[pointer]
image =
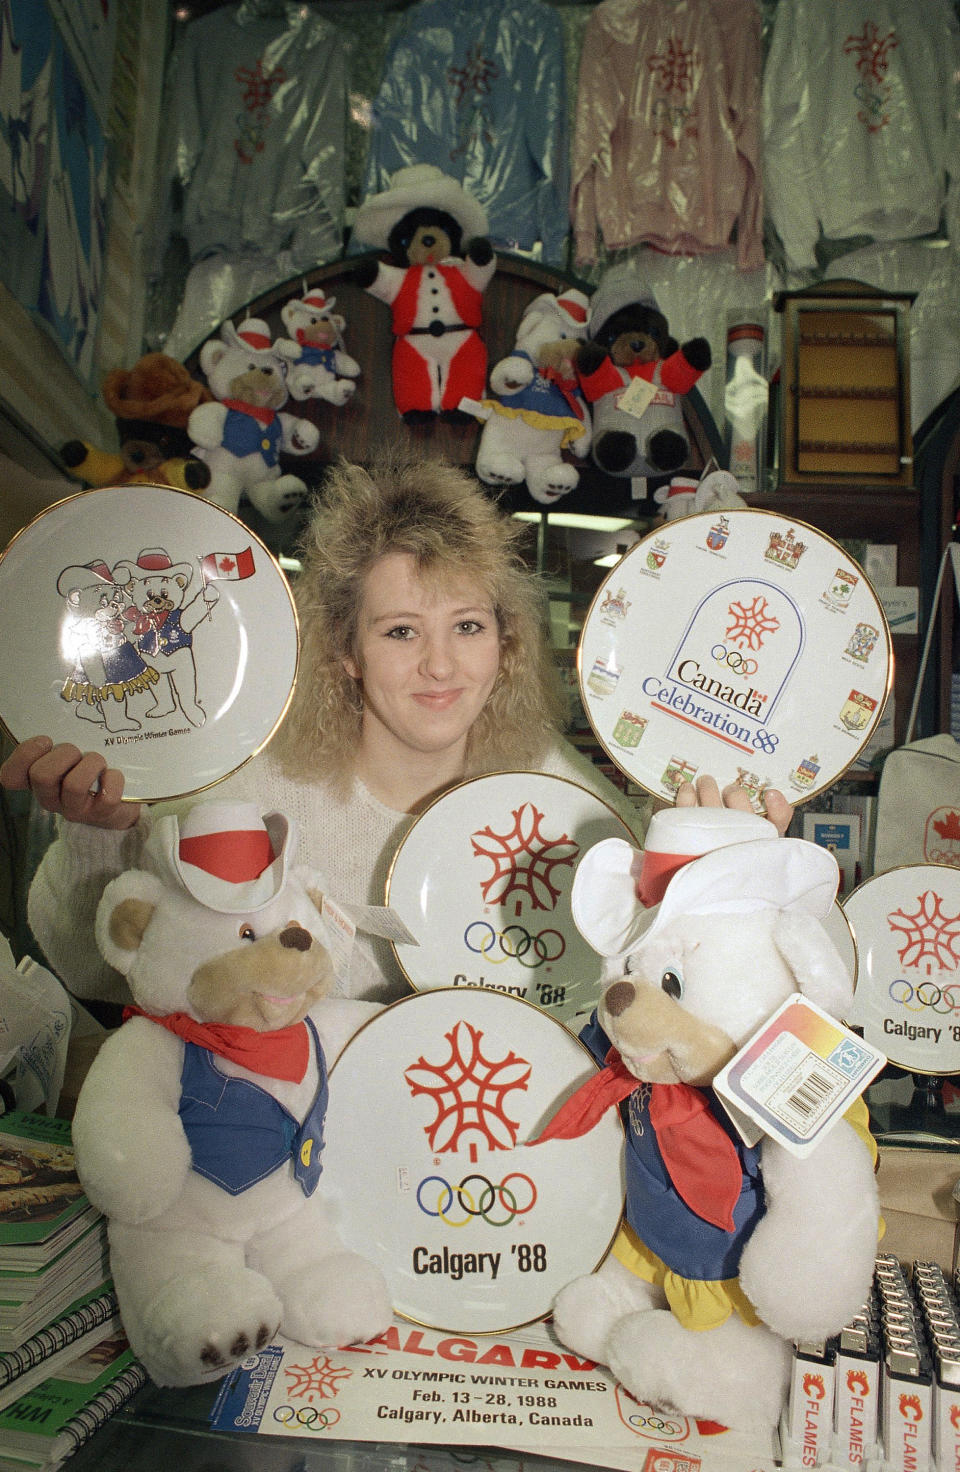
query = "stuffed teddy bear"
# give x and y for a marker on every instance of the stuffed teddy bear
(319, 368)
(633, 373)
(536, 409)
(684, 495)
(242, 434)
(728, 1252)
(433, 287)
(151, 403)
(199, 1128)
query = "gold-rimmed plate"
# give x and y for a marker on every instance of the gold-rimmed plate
(744, 644)
(482, 880)
(149, 625)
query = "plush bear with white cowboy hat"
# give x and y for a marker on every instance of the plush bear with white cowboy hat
(319, 367)
(536, 410)
(728, 1251)
(199, 1128)
(439, 267)
(242, 434)
(687, 495)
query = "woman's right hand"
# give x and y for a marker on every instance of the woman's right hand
(78, 786)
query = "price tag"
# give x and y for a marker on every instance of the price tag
(798, 1074)
(637, 397)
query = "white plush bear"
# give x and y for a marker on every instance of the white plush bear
(728, 1252)
(319, 367)
(240, 436)
(685, 495)
(536, 410)
(199, 1128)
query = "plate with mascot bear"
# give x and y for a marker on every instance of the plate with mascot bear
(149, 625)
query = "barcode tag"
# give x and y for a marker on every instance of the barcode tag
(798, 1074)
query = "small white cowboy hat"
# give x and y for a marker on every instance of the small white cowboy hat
(253, 334)
(316, 301)
(227, 855)
(696, 861)
(415, 187)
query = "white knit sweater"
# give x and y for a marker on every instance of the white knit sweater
(351, 842)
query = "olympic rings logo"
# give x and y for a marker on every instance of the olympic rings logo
(514, 943)
(942, 1000)
(734, 660)
(656, 1424)
(307, 1416)
(491, 1201)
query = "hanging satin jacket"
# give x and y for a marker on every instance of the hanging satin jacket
(860, 102)
(666, 145)
(255, 128)
(479, 90)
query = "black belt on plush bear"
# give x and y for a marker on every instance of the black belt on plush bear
(437, 329)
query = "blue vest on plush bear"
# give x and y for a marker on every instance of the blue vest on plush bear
(239, 1133)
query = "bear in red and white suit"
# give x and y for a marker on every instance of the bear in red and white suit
(435, 292)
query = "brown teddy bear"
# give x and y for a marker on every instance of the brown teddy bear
(151, 403)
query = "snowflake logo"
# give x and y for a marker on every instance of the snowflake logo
(469, 1092)
(674, 67)
(750, 623)
(930, 937)
(871, 50)
(523, 861)
(259, 86)
(319, 1380)
(475, 76)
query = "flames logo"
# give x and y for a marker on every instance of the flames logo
(955, 1416)
(910, 1408)
(857, 1382)
(813, 1387)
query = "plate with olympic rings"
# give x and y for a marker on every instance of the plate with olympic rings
(470, 1221)
(482, 881)
(742, 644)
(906, 926)
(151, 626)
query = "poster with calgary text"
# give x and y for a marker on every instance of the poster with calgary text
(740, 644)
(524, 1391)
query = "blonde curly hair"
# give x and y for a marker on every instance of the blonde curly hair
(439, 516)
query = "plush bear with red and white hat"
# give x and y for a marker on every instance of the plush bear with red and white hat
(440, 264)
(199, 1130)
(535, 409)
(729, 1251)
(242, 434)
(319, 367)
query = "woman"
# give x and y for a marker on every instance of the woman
(423, 662)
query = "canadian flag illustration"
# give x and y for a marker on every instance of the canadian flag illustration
(227, 566)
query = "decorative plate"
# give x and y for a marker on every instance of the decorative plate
(741, 644)
(151, 626)
(906, 925)
(482, 881)
(471, 1225)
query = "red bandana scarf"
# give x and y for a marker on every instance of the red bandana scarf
(700, 1157)
(283, 1053)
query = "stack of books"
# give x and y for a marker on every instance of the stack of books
(65, 1364)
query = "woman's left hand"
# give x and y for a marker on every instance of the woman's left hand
(705, 793)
